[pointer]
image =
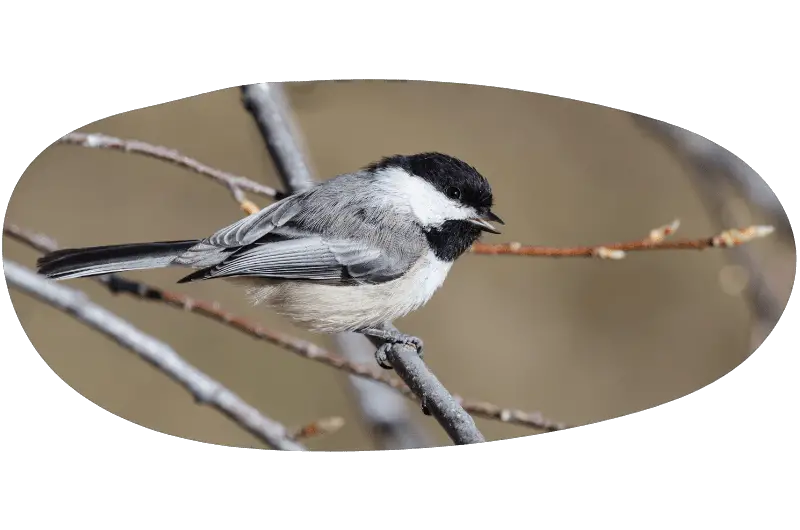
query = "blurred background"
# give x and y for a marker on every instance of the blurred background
(580, 340)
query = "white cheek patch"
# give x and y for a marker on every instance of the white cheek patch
(428, 204)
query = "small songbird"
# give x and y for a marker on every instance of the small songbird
(352, 253)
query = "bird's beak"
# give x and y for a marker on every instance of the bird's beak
(483, 223)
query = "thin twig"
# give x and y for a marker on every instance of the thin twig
(236, 184)
(385, 414)
(728, 238)
(321, 427)
(710, 167)
(204, 389)
(119, 284)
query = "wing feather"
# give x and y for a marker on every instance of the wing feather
(335, 235)
(315, 259)
(253, 227)
(229, 240)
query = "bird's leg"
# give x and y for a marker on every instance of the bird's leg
(390, 336)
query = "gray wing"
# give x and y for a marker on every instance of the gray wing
(227, 241)
(253, 227)
(328, 234)
(315, 259)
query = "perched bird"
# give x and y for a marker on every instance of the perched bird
(352, 253)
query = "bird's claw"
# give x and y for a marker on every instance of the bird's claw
(381, 355)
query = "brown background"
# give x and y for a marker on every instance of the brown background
(579, 340)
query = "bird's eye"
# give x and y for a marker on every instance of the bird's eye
(453, 192)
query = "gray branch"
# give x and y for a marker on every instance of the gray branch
(237, 184)
(384, 411)
(434, 396)
(204, 389)
(268, 105)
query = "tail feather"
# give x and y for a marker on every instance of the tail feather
(93, 261)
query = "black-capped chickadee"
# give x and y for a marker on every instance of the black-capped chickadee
(353, 253)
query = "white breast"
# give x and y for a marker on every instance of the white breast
(333, 308)
(425, 278)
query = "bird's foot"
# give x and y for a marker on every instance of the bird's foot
(391, 338)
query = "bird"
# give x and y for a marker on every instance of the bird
(352, 253)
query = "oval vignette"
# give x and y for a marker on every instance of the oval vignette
(577, 340)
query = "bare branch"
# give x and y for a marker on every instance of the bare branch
(434, 396)
(268, 105)
(729, 238)
(385, 414)
(710, 168)
(212, 310)
(204, 389)
(236, 184)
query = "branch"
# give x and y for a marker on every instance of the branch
(710, 168)
(434, 396)
(727, 239)
(268, 105)
(307, 350)
(385, 414)
(236, 184)
(204, 389)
